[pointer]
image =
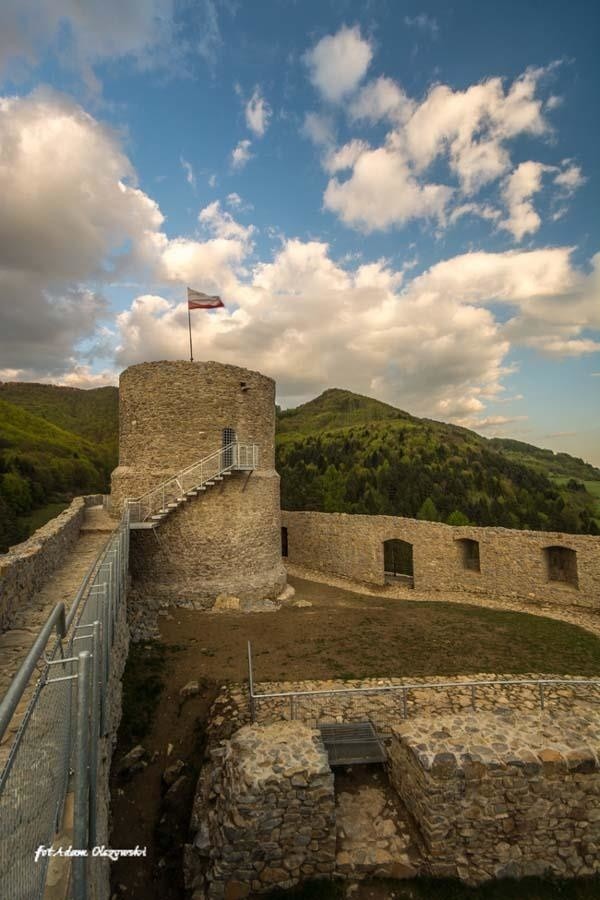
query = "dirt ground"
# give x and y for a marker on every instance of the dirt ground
(343, 635)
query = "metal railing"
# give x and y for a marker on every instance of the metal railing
(61, 725)
(231, 457)
(387, 705)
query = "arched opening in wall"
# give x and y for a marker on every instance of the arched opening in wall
(561, 565)
(284, 542)
(398, 562)
(468, 554)
(227, 440)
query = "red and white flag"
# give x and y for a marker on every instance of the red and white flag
(198, 300)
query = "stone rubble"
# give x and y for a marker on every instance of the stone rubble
(372, 837)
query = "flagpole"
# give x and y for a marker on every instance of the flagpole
(190, 329)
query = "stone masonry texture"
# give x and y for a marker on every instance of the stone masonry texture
(27, 566)
(502, 794)
(513, 563)
(268, 811)
(227, 540)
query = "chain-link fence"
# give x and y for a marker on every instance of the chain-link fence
(60, 728)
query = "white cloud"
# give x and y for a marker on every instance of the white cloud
(258, 113)
(241, 154)
(222, 224)
(87, 33)
(212, 181)
(570, 178)
(345, 157)
(469, 129)
(319, 129)
(190, 176)
(71, 212)
(382, 191)
(519, 188)
(339, 62)
(381, 99)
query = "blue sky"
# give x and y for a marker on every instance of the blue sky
(396, 198)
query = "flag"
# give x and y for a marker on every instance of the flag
(198, 300)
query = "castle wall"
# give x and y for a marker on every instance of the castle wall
(227, 540)
(513, 564)
(28, 565)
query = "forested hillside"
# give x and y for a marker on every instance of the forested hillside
(338, 453)
(55, 443)
(345, 453)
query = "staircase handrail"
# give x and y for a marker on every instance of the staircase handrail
(229, 452)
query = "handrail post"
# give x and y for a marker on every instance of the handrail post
(98, 700)
(251, 683)
(82, 781)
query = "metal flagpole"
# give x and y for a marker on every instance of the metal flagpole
(190, 328)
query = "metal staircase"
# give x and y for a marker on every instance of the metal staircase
(150, 509)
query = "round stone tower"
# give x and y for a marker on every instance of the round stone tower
(228, 538)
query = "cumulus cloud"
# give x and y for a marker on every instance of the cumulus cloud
(241, 154)
(381, 190)
(71, 212)
(379, 100)
(432, 345)
(258, 113)
(468, 129)
(87, 33)
(338, 63)
(222, 224)
(520, 186)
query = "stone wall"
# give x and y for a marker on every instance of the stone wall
(27, 566)
(513, 564)
(504, 794)
(227, 540)
(264, 814)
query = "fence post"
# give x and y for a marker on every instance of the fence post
(82, 780)
(251, 684)
(105, 649)
(98, 701)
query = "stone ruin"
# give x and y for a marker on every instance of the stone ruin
(265, 812)
(471, 795)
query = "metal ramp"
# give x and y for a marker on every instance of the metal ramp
(351, 743)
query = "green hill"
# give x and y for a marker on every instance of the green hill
(92, 414)
(345, 453)
(55, 443)
(340, 452)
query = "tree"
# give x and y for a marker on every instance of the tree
(428, 511)
(457, 518)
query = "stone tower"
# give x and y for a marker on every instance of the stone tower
(228, 539)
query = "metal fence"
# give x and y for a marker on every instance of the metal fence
(387, 705)
(55, 749)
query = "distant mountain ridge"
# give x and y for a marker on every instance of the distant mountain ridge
(343, 452)
(340, 451)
